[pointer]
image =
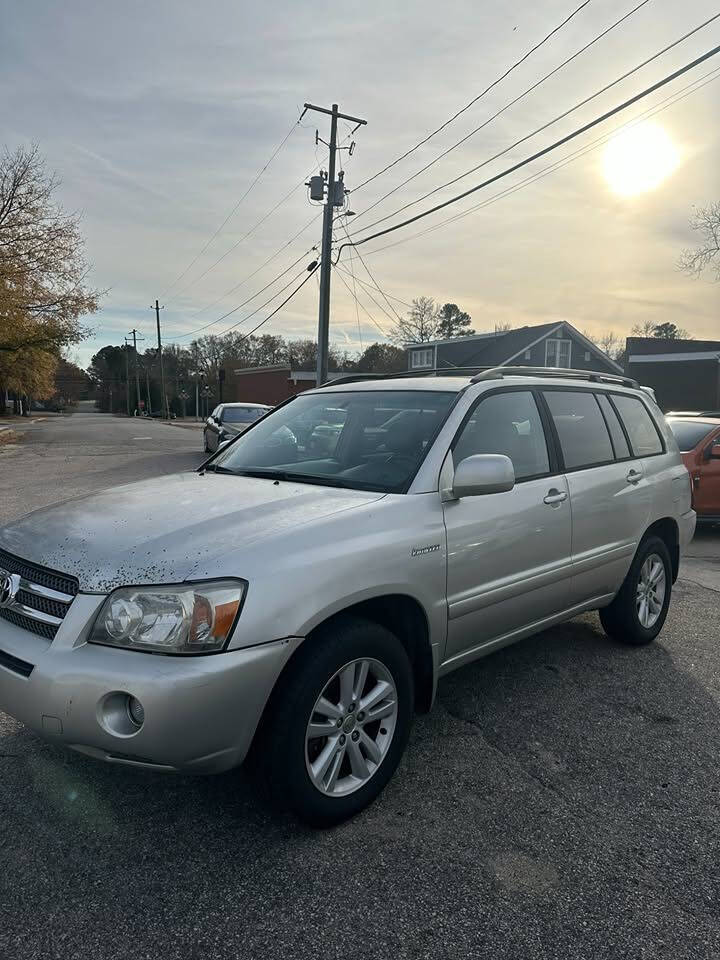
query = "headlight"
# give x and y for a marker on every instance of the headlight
(185, 619)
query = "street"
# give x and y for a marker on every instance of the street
(560, 801)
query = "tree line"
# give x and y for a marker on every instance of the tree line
(44, 291)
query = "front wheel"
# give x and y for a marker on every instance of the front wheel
(637, 614)
(339, 721)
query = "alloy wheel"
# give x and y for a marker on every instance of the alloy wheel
(351, 727)
(650, 592)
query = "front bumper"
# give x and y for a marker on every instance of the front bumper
(201, 713)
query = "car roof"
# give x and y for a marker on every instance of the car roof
(263, 406)
(692, 418)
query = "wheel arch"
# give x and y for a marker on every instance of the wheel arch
(669, 532)
(400, 613)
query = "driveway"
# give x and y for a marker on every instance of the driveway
(561, 801)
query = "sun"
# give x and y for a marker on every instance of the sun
(639, 159)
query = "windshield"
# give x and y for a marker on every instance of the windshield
(243, 414)
(373, 440)
(689, 433)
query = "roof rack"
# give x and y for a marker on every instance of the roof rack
(426, 372)
(693, 413)
(594, 376)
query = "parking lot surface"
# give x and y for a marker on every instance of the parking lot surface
(560, 801)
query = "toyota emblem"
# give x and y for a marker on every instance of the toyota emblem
(9, 586)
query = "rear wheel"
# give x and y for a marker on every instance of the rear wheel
(339, 722)
(637, 614)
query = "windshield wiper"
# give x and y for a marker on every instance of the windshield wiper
(217, 468)
(293, 477)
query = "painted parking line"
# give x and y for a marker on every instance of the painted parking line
(142, 438)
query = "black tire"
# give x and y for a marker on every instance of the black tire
(282, 748)
(621, 619)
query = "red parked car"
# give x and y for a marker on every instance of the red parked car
(698, 436)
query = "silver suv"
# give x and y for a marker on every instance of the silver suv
(303, 591)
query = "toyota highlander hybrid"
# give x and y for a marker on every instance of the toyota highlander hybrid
(299, 596)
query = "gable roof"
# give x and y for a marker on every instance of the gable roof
(490, 349)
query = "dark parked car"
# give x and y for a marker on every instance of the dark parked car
(228, 420)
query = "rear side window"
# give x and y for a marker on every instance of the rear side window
(584, 438)
(616, 431)
(507, 423)
(643, 434)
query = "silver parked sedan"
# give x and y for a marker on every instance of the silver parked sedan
(228, 420)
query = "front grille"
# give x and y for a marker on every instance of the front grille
(43, 598)
(54, 607)
(40, 575)
(34, 626)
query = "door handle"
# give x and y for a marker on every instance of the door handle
(555, 496)
(634, 477)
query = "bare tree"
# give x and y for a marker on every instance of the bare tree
(611, 344)
(706, 221)
(420, 325)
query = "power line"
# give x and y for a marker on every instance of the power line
(276, 310)
(551, 168)
(357, 311)
(507, 106)
(544, 126)
(259, 174)
(249, 299)
(362, 305)
(376, 284)
(380, 307)
(475, 99)
(252, 230)
(257, 309)
(257, 270)
(541, 153)
(375, 287)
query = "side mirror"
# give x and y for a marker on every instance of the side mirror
(483, 473)
(222, 445)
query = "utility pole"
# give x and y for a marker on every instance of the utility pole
(163, 395)
(127, 377)
(335, 192)
(137, 374)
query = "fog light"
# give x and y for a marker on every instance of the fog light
(136, 711)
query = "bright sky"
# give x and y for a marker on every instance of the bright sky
(157, 116)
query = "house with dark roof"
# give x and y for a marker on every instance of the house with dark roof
(685, 374)
(546, 345)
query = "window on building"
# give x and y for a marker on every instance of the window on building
(558, 353)
(421, 358)
(587, 356)
(644, 438)
(584, 438)
(528, 355)
(507, 423)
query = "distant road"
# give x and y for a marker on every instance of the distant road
(65, 457)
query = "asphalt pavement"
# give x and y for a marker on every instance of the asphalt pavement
(560, 801)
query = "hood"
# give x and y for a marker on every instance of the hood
(157, 531)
